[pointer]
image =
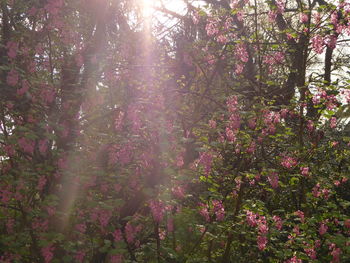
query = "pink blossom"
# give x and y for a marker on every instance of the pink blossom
(157, 209)
(310, 251)
(240, 15)
(335, 252)
(212, 124)
(232, 104)
(204, 211)
(241, 52)
(294, 260)
(305, 171)
(234, 122)
(323, 229)
(317, 44)
(47, 253)
(212, 27)
(239, 68)
(301, 215)
(278, 222)
(222, 39)
(117, 234)
(231, 137)
(219, 210)
(334, 18)
(304, 18)
(104, 217)
(280, 6)
(333, 122)
(251, 218)
(288, 162)
(130, 232)
(206, 159)
(262, 242)
(330, 41)
(234, 4)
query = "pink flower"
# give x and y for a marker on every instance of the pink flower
(212, 124)
(219, 210)
(278, 222)
(335, 253)
(333, 122)
(310, 251)
(330, 41)
(222, 39)
(317, 44)
(288, 162)
(212, 27)
(251, 218)
(204, 211)
(304, 18)
(231, 137)
(47, 253)
(305, 171)
(157, 209)
(262, 242)
(323, 229)
(241, 52)
(130, 232)
(294, 260)
(117, 234)
(206, 159)
(104, 217)
(280, 6)
(301, 215)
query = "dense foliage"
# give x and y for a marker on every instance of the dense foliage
(215, 134)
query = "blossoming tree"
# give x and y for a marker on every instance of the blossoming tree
(221, 138)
